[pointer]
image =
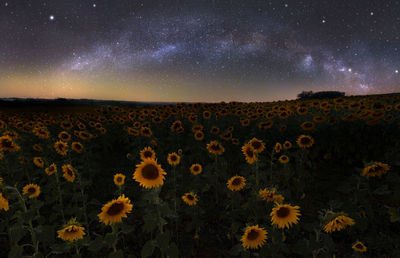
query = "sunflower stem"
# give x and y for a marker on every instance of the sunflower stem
(216, 178)
(60, 197)
(84, 202)
(115, 233)
(257, 178)
(32, 231)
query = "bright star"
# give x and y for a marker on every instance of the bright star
(372, 13)
(349, 69)
(323, 21)
(94, 5)
(51, 17)
(396, 71)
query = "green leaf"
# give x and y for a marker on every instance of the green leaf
(173, 251)
(96, 244)
(16, 233)
(118, 254)
(235, 250)
(45, 233)
(147, 249)
(38, 255)
(163, 240)
(110, 238)
(60, 248)
(382, 190)
(16, 252)
(127, 229)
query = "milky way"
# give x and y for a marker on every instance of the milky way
(276, 48)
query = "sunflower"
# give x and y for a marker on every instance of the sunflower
(64, 136)
(249, 153)
(214, 130)
(199, 135)
(214, 147)
(278, 198)
(176, 126)
(145, 131)
(51, 169)
(284, 159)
(375, 169)
(206, 114)
(119, 179)
(38, 148)
(68, 172)
(147, 153)
(305, 141)
(38, 161)
(41, 132)
(257, 144)
(190, 198)
(77, 147)
(287, 145)
(72, 231)
(61, 147)
(359, 247)
(266, 194)
(236, 183)
(307, 126)
(278, 147)
(7, 144)
(31, 189)
(284, 215)
(196, 169)
(338, 223)
(254, 237)
(115, 210)
(235, 141)
(3, 203)
(173, 159)
(149, 174)
(85, 135)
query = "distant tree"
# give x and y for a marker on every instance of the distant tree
(305, 95)
(320, 95)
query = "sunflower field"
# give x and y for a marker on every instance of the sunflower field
(313, 178)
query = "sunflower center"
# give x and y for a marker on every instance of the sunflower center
(7, 143)
(71, 229)
(173, 158)
(31, 190)
(115, 209)
(69, 172)
(305, 140)
(150, 172)
(215, 147)
(119, 179)
(249, 153)
(148, 154)
(256, 145)
(190, 197)
(196, 168)
(236, 181)
(359, 246)
(252, 235)
(283, 212)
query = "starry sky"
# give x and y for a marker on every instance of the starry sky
(197, 50)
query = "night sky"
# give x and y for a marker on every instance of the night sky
(197, 50)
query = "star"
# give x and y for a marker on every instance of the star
(349, 69)
(371, 13)
(51, 17)
(5, 4)
(323, 21)
(94, 5)
(396, 71)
